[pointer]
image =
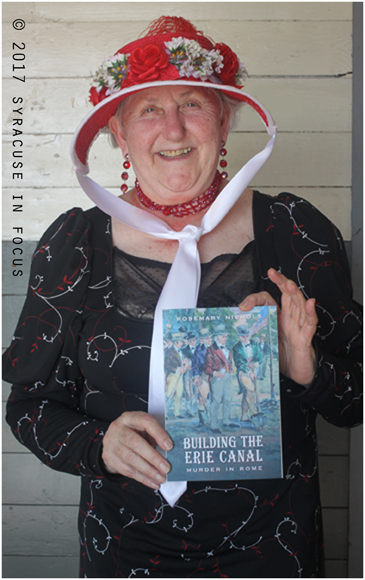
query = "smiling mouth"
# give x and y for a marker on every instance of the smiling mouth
(175, 154)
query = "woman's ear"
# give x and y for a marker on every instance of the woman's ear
(116, 128)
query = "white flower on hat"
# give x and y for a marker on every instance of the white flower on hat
(241, 74)
(186, 69)
(191, 59)
(112, 73)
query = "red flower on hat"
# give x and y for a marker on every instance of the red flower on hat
(230, 64)
(150, 63)
(96, 96)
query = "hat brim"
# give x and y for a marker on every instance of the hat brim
(97, 119)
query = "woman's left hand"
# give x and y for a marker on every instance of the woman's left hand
(297, 323)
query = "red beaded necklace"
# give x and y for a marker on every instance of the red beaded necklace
(182, 209)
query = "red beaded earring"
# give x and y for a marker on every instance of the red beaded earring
(223, 162)
(124, 176)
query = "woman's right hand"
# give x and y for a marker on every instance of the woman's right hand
(128, 448)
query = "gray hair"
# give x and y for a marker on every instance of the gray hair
(234, 105)
(231, 103)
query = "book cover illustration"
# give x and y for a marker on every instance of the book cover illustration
(222, 393)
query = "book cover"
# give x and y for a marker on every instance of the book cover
(222, 393)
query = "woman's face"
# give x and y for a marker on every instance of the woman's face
(173, 136)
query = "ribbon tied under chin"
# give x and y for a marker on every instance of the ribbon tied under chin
(182, 285)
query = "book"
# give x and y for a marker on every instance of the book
(222, 393)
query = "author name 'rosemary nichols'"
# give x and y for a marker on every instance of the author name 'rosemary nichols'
(215, 318)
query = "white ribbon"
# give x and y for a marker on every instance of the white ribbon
(182, 285)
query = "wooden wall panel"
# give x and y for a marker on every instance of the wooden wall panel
(40, 566)
(56, 489)
(332, 440)
(49, 203)
(297, 104)
(335, 524)
(334, 472)
(218, 11)
(305, 48)
(293, 163)
(40, 530)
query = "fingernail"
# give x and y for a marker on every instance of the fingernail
(160, 478)
(165, 467)
(168, 444)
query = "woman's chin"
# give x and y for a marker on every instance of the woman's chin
(176, 191)
(183, 187)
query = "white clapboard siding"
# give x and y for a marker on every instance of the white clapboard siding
(294, 161)
(47, 204)
(332, 440)
(305, 48)
(336, 544)
(311, 105)
(40, 566)
(299, 57)
(56, 489)
(334, 478)
(218, 11)
(55, 535)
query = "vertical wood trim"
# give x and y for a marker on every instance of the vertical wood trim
(355, 561)
(357, 151)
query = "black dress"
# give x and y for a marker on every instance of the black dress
(80, 357)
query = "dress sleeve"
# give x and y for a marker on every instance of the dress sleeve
(305, 246)
(42, 359)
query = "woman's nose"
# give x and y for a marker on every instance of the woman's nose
(174, 128)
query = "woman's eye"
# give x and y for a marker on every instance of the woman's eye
(149, 110)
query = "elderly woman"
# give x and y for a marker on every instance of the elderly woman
(86, 357)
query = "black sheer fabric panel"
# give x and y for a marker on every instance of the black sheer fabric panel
(227, 279)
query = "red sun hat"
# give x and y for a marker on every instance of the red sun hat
(171, 52)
